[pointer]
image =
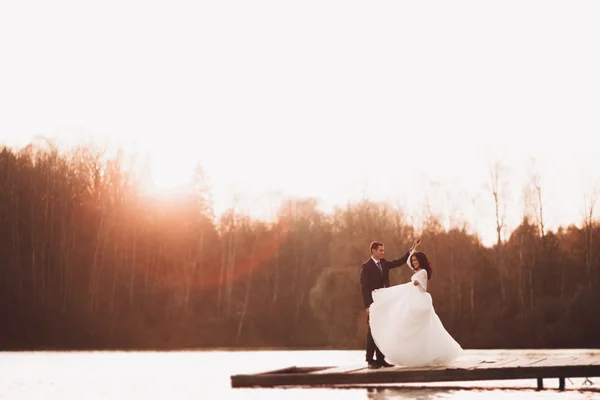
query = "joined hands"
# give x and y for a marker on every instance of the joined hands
(415, 245)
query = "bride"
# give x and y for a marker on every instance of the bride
(404, 324)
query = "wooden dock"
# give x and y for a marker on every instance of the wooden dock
(472, 366)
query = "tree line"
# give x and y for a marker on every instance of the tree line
(88, 261)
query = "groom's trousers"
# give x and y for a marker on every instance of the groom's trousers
(372, 348)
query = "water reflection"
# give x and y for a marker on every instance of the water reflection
(401, 394)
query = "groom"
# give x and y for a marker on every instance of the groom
(375, 274)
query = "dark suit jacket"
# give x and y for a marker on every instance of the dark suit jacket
(371, 278)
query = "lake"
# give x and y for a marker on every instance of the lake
(197, 375)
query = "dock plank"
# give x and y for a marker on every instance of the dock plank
(538, 365)
(342, 369)
(561, 361)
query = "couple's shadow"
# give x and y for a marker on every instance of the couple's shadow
(402, 393)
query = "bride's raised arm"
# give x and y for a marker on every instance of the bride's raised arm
(409, 260)
(412, 251)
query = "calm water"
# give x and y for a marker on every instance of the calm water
(205, 375)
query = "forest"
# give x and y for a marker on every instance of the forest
(90, 261)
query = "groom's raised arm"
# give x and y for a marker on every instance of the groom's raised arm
(401, 261)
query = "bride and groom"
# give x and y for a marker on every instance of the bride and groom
(403, 326)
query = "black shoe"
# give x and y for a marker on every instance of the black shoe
(373, 365)
(384, 364)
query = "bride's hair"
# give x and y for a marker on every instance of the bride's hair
(424, 263)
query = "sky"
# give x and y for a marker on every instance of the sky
(400, 101)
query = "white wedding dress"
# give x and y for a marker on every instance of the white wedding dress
(406, 328)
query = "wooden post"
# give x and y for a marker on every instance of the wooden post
(540, 383)
(561, 384)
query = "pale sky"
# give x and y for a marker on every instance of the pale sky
(332, 99)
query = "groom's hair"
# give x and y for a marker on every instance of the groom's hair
(375, 246)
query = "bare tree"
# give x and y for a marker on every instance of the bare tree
(497, 187)
(244, 312)
(537, 188)
(534, 199)
(589, 204)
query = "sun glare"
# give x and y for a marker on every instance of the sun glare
(168, 173)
